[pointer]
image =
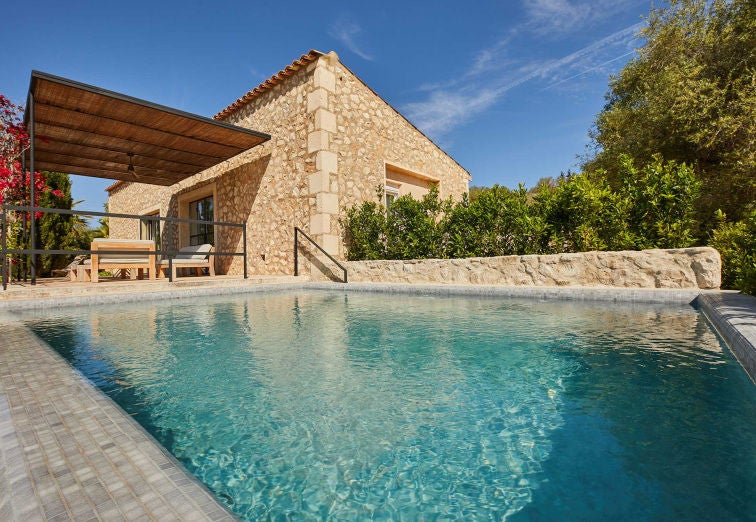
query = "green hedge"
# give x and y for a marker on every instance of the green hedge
(654, 207)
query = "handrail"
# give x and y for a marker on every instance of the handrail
(298, 231)
(168, 252)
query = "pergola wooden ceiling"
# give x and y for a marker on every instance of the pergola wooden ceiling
(85, 130)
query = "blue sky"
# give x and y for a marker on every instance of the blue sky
(508, 88)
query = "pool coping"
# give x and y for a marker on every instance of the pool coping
(69, 452)
(732, 315)
(616, 294)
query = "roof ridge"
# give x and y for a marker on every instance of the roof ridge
(268, 84)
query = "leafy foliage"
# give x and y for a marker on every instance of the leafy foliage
(661, 199)
(690, 96)
(653, 208)
(14, 140)
(582, 213)
(736, 243)
(59, 231)
(497, 222)
(411, 227)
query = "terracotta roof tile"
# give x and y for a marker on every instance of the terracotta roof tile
(268, 84)
(114, 185)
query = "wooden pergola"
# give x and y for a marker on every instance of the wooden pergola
(80, 129)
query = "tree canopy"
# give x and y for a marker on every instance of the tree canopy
(689, 95)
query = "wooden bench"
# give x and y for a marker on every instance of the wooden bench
(197, 257)
(142, 258)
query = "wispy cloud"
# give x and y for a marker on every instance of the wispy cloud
(456, 102)
(345, 30)
(444, 110)
(558, 17)
(588, 70)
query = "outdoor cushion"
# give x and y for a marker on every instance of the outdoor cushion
(194, 253)
(182, 261)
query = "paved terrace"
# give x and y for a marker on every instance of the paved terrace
(53, 291)
(67, 452)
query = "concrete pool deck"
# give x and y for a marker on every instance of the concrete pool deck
(68, 452)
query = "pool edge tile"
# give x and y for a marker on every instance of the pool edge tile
(20, 444)
(733, 316)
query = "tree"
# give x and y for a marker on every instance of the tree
(104, 229)
(690, 96)
(14, 181)
(14, 140)
(59, 231)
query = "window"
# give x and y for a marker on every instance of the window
(391, 194)
(150, 229)
(201, 233)
(404, 181)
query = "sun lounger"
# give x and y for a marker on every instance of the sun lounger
(197, 257)
(70, 270)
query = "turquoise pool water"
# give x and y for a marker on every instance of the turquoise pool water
(315, 405)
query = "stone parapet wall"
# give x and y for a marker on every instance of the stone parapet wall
(674, 269)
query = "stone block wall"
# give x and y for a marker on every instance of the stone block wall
(331, 138)
(266, 186)
(675, 269)
(371, 134)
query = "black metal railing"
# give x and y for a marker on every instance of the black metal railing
(298, 231)
(169, 252)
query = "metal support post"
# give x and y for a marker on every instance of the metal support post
(4, 259)
(296, 253)
(244, 240)
(33, 203)
(169, 249)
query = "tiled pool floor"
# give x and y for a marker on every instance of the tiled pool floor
(68, 453)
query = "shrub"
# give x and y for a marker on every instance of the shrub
(663, 196)
(411, 227)
(364, 229)
(498, 222)
(582, 213)
(736, 243)
(653, 208)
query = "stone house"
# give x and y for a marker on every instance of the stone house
(333, 142)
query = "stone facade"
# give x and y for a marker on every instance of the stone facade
(675, 269)
(332, 140)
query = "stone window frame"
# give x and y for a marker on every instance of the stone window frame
(396, 185)
(144, 227)
(391, 192)
(188, 197)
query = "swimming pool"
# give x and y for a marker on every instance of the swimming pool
(315, 404)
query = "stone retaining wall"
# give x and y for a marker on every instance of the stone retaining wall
(678, 268)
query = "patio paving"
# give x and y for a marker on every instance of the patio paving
(67, 452)
(60, 291)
